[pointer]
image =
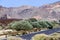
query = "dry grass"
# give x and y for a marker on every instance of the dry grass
(55, 36)
(14, 38)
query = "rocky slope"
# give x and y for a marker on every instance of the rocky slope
(49, 11)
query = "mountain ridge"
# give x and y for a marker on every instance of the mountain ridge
(49, 11)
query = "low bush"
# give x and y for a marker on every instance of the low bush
(45, 37)
(39, 37)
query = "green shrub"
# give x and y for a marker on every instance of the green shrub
(21, 25)
(36, 25)
(43, 24)
(50, 25)
(32, 20)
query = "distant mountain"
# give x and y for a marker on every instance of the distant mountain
(49, 11)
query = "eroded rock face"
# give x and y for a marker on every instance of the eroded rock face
(50, 11)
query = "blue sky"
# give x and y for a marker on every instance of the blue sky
(16, 3)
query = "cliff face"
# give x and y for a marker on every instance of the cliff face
(50, 11)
